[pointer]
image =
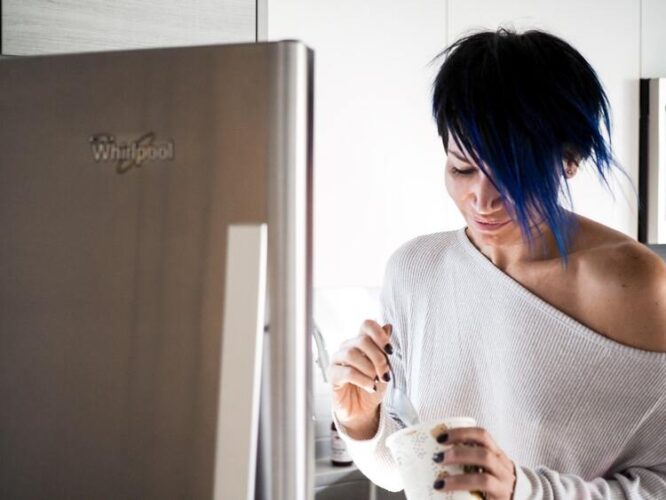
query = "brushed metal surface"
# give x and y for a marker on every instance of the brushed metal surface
(290, 280)
(37, 27)
(112, 285)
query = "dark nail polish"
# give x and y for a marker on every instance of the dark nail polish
(388, 348)
(442, 438)
(386, 377)
(438, 458)
(439, 484)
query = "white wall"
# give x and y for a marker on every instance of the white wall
(378, 160)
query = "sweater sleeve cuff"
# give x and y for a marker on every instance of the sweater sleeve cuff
(371, 456)
(361, 447)
(523, 488)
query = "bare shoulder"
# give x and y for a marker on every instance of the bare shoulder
(625, 283)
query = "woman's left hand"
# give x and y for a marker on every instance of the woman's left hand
(475, 447)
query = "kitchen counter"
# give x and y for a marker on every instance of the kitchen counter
(327, 473)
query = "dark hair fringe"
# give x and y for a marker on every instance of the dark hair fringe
(520, 104)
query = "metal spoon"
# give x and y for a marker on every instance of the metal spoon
(402, 411)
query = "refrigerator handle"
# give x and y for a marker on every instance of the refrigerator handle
(241, 360)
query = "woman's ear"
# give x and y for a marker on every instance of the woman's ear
(570, 168)
(571, 162)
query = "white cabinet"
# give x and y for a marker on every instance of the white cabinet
(653, 38)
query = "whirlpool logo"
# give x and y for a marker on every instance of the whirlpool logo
(128, 154)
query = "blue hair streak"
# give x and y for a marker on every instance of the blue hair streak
(520, 104)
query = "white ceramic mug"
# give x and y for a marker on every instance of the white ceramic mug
(413, 449)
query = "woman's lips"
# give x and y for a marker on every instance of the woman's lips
(487, 226)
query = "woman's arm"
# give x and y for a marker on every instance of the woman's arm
(640, 476)
(634, 483)
(371, 456)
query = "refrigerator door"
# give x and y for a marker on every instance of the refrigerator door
(121, 173)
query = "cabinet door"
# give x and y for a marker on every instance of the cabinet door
(32, 27)
(653, 38)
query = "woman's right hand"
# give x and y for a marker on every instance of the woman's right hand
(358, 374)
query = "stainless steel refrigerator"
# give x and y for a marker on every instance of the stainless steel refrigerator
(156, 225)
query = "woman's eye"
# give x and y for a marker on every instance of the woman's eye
(458, 171)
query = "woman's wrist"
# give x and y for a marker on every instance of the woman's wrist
(362, 428)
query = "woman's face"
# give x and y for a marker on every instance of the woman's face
(478, 200)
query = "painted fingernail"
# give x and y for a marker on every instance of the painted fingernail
(439, 484)
(386, 377)
(389, 329)
(442, 438)
(438, 458)
(388, 348)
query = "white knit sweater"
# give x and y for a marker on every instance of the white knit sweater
(582, 416)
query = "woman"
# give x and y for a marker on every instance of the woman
(546, 327)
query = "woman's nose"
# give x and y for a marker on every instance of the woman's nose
(486, 197)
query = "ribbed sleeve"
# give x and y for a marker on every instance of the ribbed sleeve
(582, 416)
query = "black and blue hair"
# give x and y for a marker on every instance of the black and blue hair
(520, 104)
